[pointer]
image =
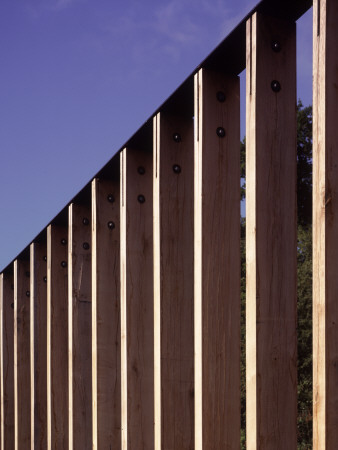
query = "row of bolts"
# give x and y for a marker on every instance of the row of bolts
(275, 86)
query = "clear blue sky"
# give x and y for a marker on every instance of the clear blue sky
(79, 77)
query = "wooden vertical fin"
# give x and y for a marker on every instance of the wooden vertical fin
(7, 361)
(79, 323)
(106, 331)
(271, 235)
(175, 159)
(217, 260)
(57, 337)
(22, 413)
(325, 224)
(198, 158)
(124, 332)
(38, 344)
(157, 282)
(137, 295)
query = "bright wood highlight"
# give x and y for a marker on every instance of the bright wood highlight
(137, 298)
(57, 337)
(7, 360)
(79, 328)
(271, 223)
(217, 260)
(22, 413)
(174, 147)
(38, 344)
(157, 282)
(325, 225)
(106, 338)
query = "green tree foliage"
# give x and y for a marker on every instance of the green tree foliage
(304, 274)
(304, 164)
(304, 286)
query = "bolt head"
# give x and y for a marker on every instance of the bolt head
(28, 293)
(220, 132)
(141, 170)
(63, 264)
(45, 279)
(111, 225)
(276, 47)
(275, 86)
(63, 241)
(141, 198)
(110, 198)
(45, 258)
(176, 168)
(177, 137)
(85, 245)
(85, 221)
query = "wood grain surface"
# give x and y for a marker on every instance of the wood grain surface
(22, 385)
(271, 235)
(7, 360)
(173, 178)
(57, 337)
(106, 331)
(325, 224)
(137, 261)
(38, 344)
(217, 260)
(79, 331)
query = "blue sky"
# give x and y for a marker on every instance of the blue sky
(79, 77)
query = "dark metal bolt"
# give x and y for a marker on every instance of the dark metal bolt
(177, 137)
(176, 168)
(276, 47)
(63, 264)
(141, 198)
(85, 221)
(85, 245)
(220, 96)
(141, 170)
(64, 241)
(220, 132)
(110, 198)
(275, 86)
(45, 258)
(111, 225)
(28, 293)
(45, 279)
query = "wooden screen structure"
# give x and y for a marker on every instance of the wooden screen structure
(120, 322)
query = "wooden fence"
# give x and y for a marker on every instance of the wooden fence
(120, 322)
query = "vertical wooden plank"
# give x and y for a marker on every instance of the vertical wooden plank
(106, 341)
(38, 344)
(22, 385)
(79, 323)
(57, 337)
(125, 408)
(137, 294)
(7, 361)
(325, 225)
(157, 285)
(173, 178)
(271, 233)
(217, 260)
